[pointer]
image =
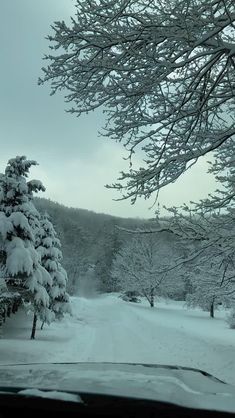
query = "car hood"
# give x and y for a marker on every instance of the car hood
(179, 385)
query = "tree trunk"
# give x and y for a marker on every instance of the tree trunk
(9, 311)
(34, 327)
(15, 307)
(4, 315)
(42, 324)
(152, 298)
(212, 310)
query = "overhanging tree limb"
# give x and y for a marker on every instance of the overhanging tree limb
(164, 73)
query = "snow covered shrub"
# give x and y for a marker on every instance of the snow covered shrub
(131, 296)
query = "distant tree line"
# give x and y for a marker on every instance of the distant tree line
(89, 240)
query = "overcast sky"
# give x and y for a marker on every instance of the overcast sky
(74, 163)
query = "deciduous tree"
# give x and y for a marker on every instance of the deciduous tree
(138, 266)
(163, 71)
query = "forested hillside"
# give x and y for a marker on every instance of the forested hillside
(89, 242)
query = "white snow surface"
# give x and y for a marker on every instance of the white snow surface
(107, 329)
(51, 394)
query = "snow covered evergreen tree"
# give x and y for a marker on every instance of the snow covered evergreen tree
(19, 221)
(51, 256)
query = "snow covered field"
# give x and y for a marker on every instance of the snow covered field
(111, 330)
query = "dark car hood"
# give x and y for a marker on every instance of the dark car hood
(179, 385)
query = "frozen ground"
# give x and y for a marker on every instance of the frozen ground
(111, 330)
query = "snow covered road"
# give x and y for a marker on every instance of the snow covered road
(107, 329)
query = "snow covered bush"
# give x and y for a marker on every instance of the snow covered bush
(130, 296)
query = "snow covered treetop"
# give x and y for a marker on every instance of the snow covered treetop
(19, 166)
(14, 188)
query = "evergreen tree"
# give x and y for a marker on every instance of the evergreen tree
(51, 256)
(19, 221)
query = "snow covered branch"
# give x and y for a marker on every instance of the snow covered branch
(163, 71)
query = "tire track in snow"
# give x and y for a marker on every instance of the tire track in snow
(123, 332)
